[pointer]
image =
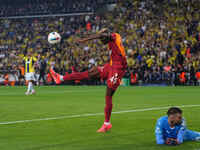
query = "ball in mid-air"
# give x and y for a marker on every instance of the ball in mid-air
(54, 38)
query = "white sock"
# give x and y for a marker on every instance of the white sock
(32, 89)
(29, 86)
(61, 78)
(106, 123)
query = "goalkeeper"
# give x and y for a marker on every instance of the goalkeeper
(171, 129)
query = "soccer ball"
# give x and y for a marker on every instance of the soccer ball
(54, 38)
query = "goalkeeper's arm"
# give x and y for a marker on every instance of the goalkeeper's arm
(159, 133)
(104, 33)
(181, 132)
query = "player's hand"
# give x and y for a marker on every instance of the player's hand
(81, 40)
(91, 37)
(168, 141)
(78, 41)
(171, 141)
(175, 142)
(102, 30)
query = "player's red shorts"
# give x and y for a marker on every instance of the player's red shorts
(113, 74)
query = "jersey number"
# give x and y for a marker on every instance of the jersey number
(114, 79)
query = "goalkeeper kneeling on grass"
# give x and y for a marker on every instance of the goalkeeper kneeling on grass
(171, 129)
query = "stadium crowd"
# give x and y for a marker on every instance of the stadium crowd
(162, 39)
(46, 7)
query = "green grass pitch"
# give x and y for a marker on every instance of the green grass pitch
(75, 113)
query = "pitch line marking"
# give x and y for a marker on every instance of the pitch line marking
(94, 114)
(51, 92)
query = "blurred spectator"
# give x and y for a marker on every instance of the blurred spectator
(43, 7)
(161, 38)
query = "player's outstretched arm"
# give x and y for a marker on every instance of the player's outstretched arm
(91, 37)
(99, 35)
(181, 132)
(159, 133)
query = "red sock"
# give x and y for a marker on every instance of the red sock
(108, 108)
(76, 76)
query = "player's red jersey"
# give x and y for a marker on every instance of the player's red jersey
(118, 55)
(114, 71)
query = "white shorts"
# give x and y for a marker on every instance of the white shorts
(30, 76)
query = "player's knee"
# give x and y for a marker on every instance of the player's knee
(93, 72)
(93, 69)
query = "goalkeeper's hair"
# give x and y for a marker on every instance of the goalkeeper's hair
(174, 110)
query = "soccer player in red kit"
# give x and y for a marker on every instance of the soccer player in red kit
(112, 72)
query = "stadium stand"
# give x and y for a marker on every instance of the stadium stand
(162, 38)
(41, 7)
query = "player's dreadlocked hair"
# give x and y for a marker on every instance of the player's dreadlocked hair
(174, 110)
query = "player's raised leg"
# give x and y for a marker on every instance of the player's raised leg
(92, 73)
